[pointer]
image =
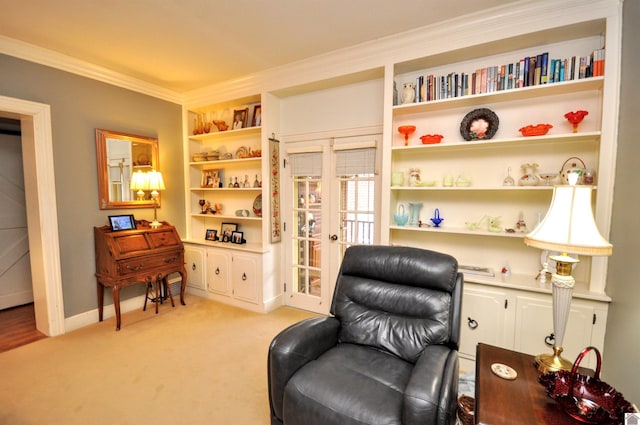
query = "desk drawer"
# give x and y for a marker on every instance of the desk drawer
(150, 264)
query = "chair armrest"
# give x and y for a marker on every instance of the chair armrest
(293, 348)
(432, 392)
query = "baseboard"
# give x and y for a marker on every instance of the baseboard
(16, 299)
(90, 317)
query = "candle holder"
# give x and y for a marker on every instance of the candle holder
(576, 118)
(406, 130)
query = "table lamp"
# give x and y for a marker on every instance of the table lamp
(154, 184)
(569, 228)
(139, 183)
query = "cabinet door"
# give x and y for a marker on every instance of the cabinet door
(244, 279)
(534, 322)
(218, 272)
(484, 319)
(194, 263)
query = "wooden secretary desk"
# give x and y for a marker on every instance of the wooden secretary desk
(135, 256)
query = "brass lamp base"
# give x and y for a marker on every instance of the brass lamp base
(552, 362)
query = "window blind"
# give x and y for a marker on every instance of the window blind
(306, 164)
(355, 161)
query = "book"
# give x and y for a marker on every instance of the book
(480, 271)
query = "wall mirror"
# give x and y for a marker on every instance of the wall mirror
(119, 155)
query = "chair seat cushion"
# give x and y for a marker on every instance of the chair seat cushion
(349, 384)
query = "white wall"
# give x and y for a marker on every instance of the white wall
(351, 106)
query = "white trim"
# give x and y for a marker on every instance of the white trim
(29, 52)
(42, 212)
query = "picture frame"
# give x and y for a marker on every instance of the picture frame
(122, 222)
(240, 118)
(256, 121)
(226, 231)
(237, 237)
(211, 178)
(211, 235)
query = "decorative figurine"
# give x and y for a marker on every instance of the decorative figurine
(436, 219)
(414, 177)
(409, 93)
(508, 181)
(521, 225)
(494, 224)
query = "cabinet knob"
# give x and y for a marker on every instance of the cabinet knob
(333, 237)
(244, 276)
(471, 323)
(193, 266)
(550, 339)
(217, 270)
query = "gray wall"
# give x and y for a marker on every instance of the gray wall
(78, 106)
(622, 342)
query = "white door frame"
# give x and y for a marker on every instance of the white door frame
(42, 212)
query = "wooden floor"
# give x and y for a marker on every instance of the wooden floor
(18, 327)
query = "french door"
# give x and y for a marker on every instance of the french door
(331, 202)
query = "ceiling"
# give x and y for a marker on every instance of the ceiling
(182, 45)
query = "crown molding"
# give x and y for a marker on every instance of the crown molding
(32, 53)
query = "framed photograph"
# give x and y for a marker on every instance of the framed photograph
(240, 118)
(211, 178)
(237, 237)
(122, 222)
(226, 230)
(211, 235)
(256, 121)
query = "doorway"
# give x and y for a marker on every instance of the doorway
(331, 203)
(42, 215)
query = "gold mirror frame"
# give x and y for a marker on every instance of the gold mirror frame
(118, 155)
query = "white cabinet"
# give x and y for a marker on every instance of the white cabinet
(484, 319)
(522, 320)
(218, 272)
(244, 276)
(194, 264)
(227, 275)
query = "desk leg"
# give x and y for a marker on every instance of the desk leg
(115, 293)
(100, 301)
(183, 287)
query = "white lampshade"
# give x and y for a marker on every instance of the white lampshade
(139, 183)
(569, 226)
(155, 181)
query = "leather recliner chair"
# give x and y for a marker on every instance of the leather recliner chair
(388, 352)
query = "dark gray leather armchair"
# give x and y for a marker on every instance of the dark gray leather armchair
(387, 355)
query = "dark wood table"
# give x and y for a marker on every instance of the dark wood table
(521, 401)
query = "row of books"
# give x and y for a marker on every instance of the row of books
(528, 71)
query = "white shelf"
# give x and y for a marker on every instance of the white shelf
(565, 87)
(226, 217)
(246, 247)
(226, 189)
(237, 161)
(470, 188)
(220, 134)
(589, 136)
(457, 230)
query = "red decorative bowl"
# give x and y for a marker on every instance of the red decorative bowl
(586, 398)
(535, 130)
(429, 139)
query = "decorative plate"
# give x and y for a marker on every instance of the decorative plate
(257, 206)
(479, 124)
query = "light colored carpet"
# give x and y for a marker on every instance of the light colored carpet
(204, 363)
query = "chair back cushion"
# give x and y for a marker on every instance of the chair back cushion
(398, 299)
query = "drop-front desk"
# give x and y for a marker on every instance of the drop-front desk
(143, 255)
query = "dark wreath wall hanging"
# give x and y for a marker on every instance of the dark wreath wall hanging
(479, 124)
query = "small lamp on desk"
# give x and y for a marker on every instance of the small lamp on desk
(154, 184)
(569, 228)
